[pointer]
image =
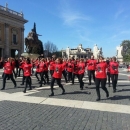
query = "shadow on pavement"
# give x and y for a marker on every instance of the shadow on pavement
(119, 97)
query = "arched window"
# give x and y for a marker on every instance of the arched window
(14, 36)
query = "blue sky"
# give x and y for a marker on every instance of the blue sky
(73, 22)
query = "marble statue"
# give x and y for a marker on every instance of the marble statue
(119, 51)
(97, 52)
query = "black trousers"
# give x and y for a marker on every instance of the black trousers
(20, 71)
(90, 74)
(51, 72)
(73, 77)
(36, 74)
(108, 77)
(28, 82)
(24, 79)
(81, 80)
(58, 82)
(42, 78)
(65, 75)
(103, 85)
(69, 76)
(46, 76)
(11, 77)
(114, 78)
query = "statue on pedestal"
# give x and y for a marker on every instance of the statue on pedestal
(97, 52)
(119, 51)
(32, 43)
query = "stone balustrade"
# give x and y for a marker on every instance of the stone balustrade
(11, 11)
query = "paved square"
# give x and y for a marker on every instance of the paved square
(76, 110)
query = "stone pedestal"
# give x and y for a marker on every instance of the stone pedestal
(25, 54)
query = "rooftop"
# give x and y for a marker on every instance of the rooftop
(6, 9)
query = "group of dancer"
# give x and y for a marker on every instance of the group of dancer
(100, 69)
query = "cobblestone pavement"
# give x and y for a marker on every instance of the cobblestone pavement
(26, 116)
(21, 115)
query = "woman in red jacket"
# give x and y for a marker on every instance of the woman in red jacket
(27, 73)
(81, 67)
(57, 76)
(100, 77)
(8, 69)
(114, 73)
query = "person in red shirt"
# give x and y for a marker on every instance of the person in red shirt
(57, 76)
(108, 70)
(37, 62)
(64, 70)
(21, 62)
(101, 77)
(27, 73)
(75, 71)
(46, 65)
(69, 69)
(91, 65)
(42, 71)
(81, 67)
(114, 73)
(51, 66)
(8, 72)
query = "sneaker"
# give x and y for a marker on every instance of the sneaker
(2, 89)
(24, 91)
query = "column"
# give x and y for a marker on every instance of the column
(7, 46)
(22, 41)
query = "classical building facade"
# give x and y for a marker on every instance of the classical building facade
(11, 32)
(78, 52)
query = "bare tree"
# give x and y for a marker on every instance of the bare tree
(50, 47)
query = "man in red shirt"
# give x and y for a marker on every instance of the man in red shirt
(114, 73)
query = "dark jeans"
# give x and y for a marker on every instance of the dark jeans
(20, 71)
(42, 78)
(73, 77)
(69, 76)
(24, 79)
(46, 76)
(28, 82)
(36, 74)
(58, 82)
(90, 74)
(81, 80)
(11, 77)
(114, 78)
(65, 75)
(103, 85)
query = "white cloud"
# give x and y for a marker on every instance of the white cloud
(118, 13)
(72, 18)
